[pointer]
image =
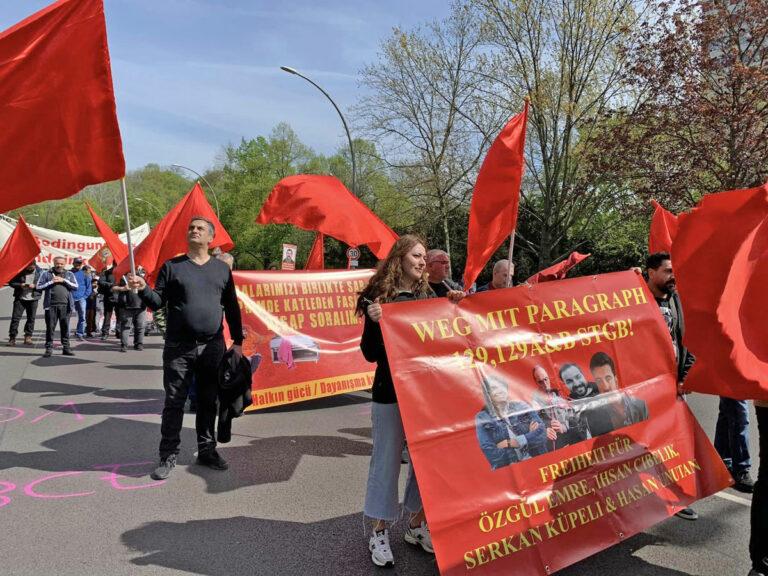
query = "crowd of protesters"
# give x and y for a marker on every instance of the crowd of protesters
(195, 348)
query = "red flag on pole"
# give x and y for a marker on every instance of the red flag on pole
(493, 213)
(316, 259)
(169, 237)
(323, 204)
(116, 246)
(663, 229)
(57, 105)
(20, 249)
(558, 271)
(720, 258)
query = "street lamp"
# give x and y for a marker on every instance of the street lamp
(204, 179)
(343, 121)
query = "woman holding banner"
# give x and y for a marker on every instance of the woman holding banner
(400, 277)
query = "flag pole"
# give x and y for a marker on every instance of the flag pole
(127, 226)
(510, 268)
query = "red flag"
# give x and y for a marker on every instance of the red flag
(101, 258)
(663, 229)
(57, 106)
(116, 246)
(558, 271)
(493, 214)
(316, 260)
(720, 258)
(20, 249)
(169, 237)
(323, 204)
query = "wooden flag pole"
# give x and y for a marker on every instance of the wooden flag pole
(127, 227)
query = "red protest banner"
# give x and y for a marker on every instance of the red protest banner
(543, 422)
(303, 326)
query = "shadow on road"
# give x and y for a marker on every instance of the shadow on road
(245, 546)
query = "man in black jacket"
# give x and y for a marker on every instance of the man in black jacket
(106, 283)
(25, 298)
(196, 289)
(661, 282)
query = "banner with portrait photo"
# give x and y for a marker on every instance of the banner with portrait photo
(543, 422)
(302, 334)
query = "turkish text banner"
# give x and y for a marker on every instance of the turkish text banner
(543, 422)
(303, 328)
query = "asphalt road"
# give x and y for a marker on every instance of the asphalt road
(78, 437)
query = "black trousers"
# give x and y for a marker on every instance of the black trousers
(58, 314)
(758, 543)
(183, 361)
(109, 308)
(20, 307)
(128, 317)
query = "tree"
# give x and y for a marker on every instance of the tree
(565, 56)
(429, 114)
(700, 124)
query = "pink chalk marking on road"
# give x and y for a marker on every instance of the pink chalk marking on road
(29, 489)
(70, 404)
(114, 476)
(6, 487)
(19, 413)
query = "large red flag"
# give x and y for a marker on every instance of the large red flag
(116, 246)
(323, 204)
(316, 259)
(720, 258)
(20, 249)
(493, 214)
(558, 271)
(57, 106)
(663, 229)
(169, 237)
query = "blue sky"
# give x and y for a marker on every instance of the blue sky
(193, 75)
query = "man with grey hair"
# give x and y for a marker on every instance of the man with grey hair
(198, 291)
(439, 272)
(500, 274)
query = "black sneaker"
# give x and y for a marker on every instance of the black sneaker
(48, 353)
(139, 347)
(743, 482)
(104, 336)
(123, 349)
(163, 469)
(687, 514)
(212, 460)
(68, 352)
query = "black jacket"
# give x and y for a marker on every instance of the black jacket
(372, 346)
(234, 392)
(17, 281)
(685, 358)
(106, 281)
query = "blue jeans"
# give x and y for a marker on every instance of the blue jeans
(381, 497)
(732, 434)
(80, 308)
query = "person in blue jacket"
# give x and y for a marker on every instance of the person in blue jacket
(508, 431)
(80, 296)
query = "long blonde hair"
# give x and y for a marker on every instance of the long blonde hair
(385, 283)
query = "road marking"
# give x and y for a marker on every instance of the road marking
(732, 498)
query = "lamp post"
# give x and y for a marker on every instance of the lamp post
(204, 179)
(343, 121)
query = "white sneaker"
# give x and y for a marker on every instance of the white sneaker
(420, 536)
(381, 553)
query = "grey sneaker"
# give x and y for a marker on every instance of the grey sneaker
(420, 536)
(381, 553)
(743, 482)
(163, 470)
(687, 514)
